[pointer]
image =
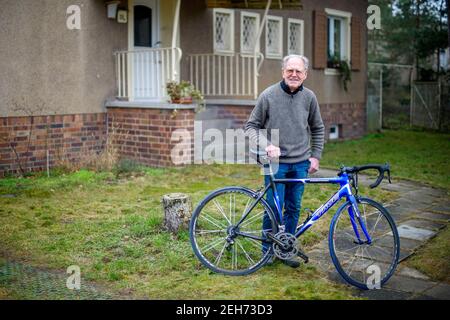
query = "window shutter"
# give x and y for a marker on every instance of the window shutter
(356, 44)
(320, 40)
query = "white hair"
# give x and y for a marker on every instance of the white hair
(291, 56)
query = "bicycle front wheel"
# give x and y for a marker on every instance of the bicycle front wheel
(362, 264)
(223, 246)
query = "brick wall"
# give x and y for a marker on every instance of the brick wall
(64, 136)
(146, 134)
(350, 117)
(239, 114)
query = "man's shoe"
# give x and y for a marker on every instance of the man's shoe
(292, 263)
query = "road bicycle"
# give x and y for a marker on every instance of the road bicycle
(227, 235)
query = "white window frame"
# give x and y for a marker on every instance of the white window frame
(302, 35)
(333, 135)
(279, 54)
(252, 15)
(231, 35)
(346, 17)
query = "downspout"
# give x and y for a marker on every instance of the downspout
(255, 64)
(175, 50)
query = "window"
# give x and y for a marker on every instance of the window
(223, 31)
(142, 26)
(274, 39)
(249, 30)
(338, 37)
(295, 36)
(334, 132)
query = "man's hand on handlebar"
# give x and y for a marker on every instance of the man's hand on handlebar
(314, 165)
(273, 151)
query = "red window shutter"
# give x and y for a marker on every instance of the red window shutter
(320, 40)
(356, 44)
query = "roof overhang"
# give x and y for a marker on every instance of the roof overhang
(254, 4)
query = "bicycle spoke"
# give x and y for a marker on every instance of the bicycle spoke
(210, 231)
(217, 261)
(256, 244)
(245, 253)
(252, 219)
(213, 244)
(232, 208)
(376, 223)
(212, 220)
(219, 207)
(234, 257)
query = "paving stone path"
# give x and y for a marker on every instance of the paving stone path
(420, 213)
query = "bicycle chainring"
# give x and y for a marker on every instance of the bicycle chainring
(289, 249)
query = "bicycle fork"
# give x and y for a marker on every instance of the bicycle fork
(355, 217)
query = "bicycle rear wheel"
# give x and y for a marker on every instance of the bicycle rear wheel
(366, 266)
(221, 245)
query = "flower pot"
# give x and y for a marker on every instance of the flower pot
(186, 100)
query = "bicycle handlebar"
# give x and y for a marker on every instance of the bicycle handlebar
(350, 170)
(381, 170)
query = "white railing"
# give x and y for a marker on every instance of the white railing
(143, 74)
(225, 75)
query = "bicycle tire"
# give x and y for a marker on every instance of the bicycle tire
(377, 260)
(238, 198)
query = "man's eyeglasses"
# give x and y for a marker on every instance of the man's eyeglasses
(291, 71)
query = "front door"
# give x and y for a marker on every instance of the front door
(147, 74)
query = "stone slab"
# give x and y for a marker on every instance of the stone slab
(433, 216)
(412, 273)
(409, 232)
(441, 291)
(385, 294)
(407, 284)
(425, 224)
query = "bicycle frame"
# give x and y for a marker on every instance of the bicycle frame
(345, 191)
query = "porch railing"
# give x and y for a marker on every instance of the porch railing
(143, 74)
(225, 75)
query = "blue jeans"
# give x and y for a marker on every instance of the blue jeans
(290, 195)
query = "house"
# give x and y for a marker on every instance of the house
(71, 76)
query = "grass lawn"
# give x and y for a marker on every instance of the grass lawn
(434, 258)
(112, 226)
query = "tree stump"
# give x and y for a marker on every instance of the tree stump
(177, 211)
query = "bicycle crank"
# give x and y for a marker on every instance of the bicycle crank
(284, 246)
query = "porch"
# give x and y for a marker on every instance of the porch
(142, 75)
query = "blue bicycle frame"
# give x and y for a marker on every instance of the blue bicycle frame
(345, 191)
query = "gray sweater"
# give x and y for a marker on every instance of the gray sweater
(296, 116)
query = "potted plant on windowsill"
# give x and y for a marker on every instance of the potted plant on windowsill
(343, 68)
(183, 92)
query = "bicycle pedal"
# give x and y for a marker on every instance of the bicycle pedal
(302, 255)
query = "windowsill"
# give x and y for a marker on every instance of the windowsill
(332, 72)
(274, 57)
(148, 105)
(230, 102)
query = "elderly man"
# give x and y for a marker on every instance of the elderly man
(292, 109)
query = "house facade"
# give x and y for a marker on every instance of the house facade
(72, 76)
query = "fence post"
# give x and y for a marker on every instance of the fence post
(381, 98)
